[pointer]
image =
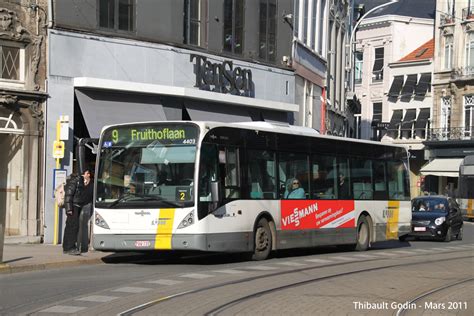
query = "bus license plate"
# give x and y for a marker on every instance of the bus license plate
(142, 243)
(420, 229)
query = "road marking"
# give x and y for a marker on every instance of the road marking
(403, 252)
(164, 282)
(131, 289)
(452, 248)
(422, 250)
(365, 256)
(97, 298)
(198, 276)
(260, 268)
(230, 271)
(383, 253)
(342, 258)
(323, 261)
(63, 309)
(291, 264)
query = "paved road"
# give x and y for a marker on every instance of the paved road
(305, 282)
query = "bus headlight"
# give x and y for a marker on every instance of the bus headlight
(187, 221)
(440, 220)
(99, 221)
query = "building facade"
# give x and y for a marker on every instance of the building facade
(451, 135)
(382, 38)
(410, 103)
(22, 104)
(116, 61)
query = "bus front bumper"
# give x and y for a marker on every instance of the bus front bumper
(229, 242)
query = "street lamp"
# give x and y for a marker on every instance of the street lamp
(351, 40)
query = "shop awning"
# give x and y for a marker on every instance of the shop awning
(216, 112)
(442, 167)
(423, 117)
(101, 108)
(409, 87)
(423, 85)
(396, 86)
(409, 119)
(395, 120)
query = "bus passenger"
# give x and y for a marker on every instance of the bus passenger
(294, 190)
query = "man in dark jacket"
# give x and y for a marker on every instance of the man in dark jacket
(78, 193)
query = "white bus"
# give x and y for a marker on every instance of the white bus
(465, 196)
(221, 187)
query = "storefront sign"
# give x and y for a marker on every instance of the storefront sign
(222, 78)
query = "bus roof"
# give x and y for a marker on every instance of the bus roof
(268, 127)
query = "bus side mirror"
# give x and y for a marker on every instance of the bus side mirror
(215, 193)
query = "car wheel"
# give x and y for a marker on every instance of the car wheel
(363, 234)
(459, 235)
(403, 238)
(263, 240)
(449, 233)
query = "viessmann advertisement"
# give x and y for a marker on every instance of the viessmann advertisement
(313, 214)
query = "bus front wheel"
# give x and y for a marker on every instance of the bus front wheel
(263, 240)
(363, 234)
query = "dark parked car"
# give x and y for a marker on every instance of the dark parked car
(437, 217)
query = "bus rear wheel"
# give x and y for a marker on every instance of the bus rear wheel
(263, 240)
(363, 234)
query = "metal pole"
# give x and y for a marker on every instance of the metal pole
(3, 214)
(351, 41)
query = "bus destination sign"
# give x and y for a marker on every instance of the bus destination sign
(146, 134)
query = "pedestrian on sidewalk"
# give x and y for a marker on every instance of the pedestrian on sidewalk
(78, 193)
(86, 211)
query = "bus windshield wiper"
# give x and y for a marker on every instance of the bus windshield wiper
(146, 197)
(123, 198)
(149, 197)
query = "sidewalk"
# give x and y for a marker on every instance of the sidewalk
(31, 257)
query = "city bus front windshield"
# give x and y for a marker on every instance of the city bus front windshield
(147, 166)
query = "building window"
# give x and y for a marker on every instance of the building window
(448, 52)
(376, 121)
(267, 34)
(321, 29)
(305, 21)
(445, 117)
(117, 14)
(233, 26)
(192, 22)
(359, 59)
(469, 53)
(10, 62)
(469, 116)
(377, 71)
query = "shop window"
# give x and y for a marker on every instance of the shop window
(267, 33)
(117, 15)
(233, 26)
(192, 22)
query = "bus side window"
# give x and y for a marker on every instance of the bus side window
(380, 180)
(324, 182)
(294, 167)
(261, 174)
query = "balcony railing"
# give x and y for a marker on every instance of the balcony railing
(468, 14)
(453, 133)
(446, 18)
(467, 71)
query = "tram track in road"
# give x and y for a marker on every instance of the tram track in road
(405, 307)
(235, 302)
